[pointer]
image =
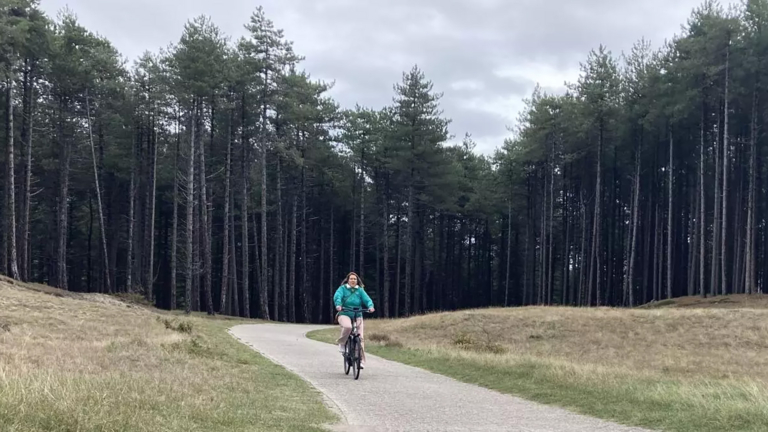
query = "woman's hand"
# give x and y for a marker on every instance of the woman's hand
(371, 310)
(338, 308)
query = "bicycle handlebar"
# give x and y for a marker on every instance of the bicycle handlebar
(345, 309)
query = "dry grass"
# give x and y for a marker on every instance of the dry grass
(93, 363)
(735, 301)
(677, 369)
(715, 343)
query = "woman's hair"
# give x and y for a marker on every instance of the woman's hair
(346, 279)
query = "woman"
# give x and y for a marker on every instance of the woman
(351, 294)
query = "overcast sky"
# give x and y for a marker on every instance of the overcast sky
(484, 55)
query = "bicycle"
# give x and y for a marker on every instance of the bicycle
(353, 350)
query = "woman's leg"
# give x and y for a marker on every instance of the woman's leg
(346, 328)
(360, 329)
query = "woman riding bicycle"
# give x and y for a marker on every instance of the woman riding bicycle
(351, 294)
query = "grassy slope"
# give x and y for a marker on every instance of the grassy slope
(738, 301)
(92, 363)
(676, 368)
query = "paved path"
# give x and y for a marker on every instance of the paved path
(390, 396)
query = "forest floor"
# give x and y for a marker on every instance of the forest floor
(87, 362)
(673, 367)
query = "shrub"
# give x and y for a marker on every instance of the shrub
(466, 342)
(385, 340)
(182, 327)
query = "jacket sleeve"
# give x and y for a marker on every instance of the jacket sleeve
(337, 297)
(366, 299)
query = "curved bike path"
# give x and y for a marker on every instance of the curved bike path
(391, 396)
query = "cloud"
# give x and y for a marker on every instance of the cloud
(484, 55)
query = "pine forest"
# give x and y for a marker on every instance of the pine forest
(217, 175)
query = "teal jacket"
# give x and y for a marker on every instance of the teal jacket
(349, 297)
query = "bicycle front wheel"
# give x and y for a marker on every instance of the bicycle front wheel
(358, 358)
(347, 356)
(352, 357)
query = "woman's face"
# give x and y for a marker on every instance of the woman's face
(353, 280)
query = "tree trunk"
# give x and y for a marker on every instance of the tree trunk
(692, 239)
(750, 264)
(702, 215)
(611, 244)
(446, 288)
(467, 233)
(398, 268)
(63, 202)
(634, 222)
(292, 270)
(583, 249)
(233, 262)
(132, 221)
(692, 274)
(137, 269)
(90, 243)
(331, 267)
(278, 247)
(323, 299)
(566, 217)
(595, 262)
(385, 241)
(658, 251)
(724, 233)
(551, 229)
(540, 296)
(149, 237)
(10, 159)
(669, 220)
(225, 243)
(626, 227)
(737, 280)
(648, 230)
(175, 232)
(197, 226)
(303, 294)
(509, 251)
(417, 270)
(284, 268)
(528, 233)
(597, 250)
(263, 291)
(98, 195)
(190, 212)
(716, 228)
(379, 277)
(353, 232)
(255, 274)
(26, 138)
(362, 215)
(207, 259)
(408, 255)
(244, 217)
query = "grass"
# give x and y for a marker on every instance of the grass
(735, 301)
(73, 362)
(676, 368)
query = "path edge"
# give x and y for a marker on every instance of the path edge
(327, 400)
